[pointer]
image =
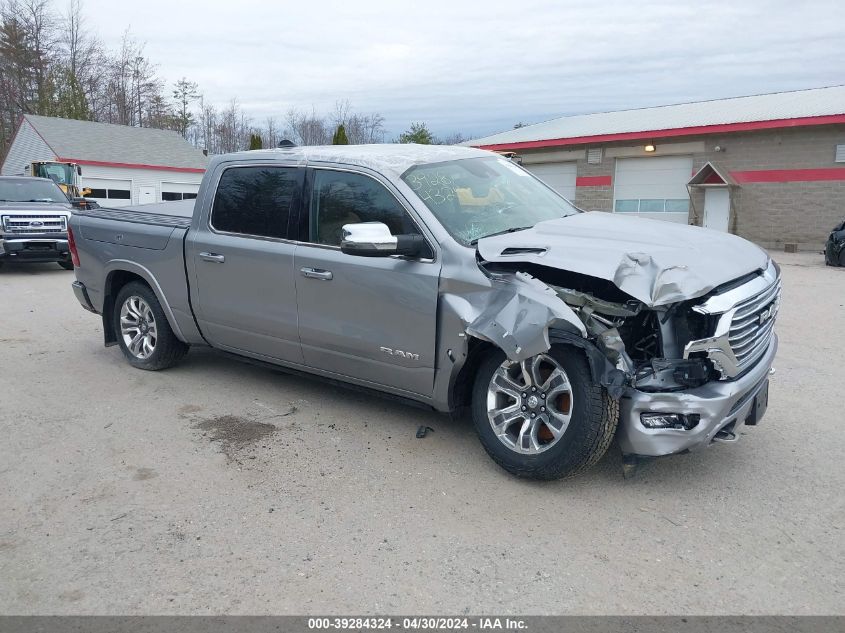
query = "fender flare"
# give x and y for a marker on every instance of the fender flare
(124, 265)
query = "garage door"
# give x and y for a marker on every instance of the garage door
(558, 176)
(178, 191)
(653, 187)
(109, 192)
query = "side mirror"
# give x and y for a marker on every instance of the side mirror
(79, 203)
(373, 239)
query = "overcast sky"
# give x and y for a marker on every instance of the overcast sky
(479, 67)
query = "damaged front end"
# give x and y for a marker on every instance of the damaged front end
(686, 371)
(643, 344)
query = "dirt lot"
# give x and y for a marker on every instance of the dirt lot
(222, 487)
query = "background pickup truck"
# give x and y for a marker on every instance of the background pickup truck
(451, 277)
(34, 213)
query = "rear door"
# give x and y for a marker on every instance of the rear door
(370, 318)
(241, 259)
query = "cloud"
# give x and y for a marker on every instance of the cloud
(479, 67)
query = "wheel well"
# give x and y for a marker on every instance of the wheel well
(602, 371)
(114, 282)
(461, 395)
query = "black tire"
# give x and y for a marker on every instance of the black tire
(67, 264)
(591, 429)
(168, 349)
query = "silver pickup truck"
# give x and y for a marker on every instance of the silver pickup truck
(454, 278)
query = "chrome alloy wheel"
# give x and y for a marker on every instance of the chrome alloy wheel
(529, 404)
(138, 327)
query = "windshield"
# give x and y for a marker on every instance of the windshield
(30, 190)
(476, 197)
(59, 173)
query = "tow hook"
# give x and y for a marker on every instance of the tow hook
(725, 435)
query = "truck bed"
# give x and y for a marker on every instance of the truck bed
(144, 240)
(176, 214)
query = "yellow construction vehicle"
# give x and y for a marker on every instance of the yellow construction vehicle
(67, 175)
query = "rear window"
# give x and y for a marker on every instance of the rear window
(256, 200)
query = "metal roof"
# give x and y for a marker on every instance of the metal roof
(117, 145)
(679, 119)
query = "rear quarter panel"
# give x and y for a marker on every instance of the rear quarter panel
(154, 253)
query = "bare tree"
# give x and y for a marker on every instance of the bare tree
(307, 128)
(51, 64)
(451, 139)
(270, 134)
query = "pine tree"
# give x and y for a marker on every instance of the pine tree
(419, 133)
(340, 137)
(255, 142)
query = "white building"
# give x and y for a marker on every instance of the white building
(121, 165)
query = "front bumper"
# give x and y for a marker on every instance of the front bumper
(34, 248)
(719, 404)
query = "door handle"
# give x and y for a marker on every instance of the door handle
(316, 273)
(213, 257)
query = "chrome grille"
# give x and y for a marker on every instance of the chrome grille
(752, 324)
(745, 321)
(34, 224)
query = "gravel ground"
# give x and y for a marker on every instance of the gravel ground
(219, 487)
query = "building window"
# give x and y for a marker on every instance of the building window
(652, 205)
(840, 154)
(98, 193)
(119, 194)
(169, 196)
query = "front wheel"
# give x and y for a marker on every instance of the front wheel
(143, 333)
(544, 417)
(67, 264)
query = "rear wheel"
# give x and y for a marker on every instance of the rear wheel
(143, 333)
(544, 417)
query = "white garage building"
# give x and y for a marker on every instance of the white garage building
(121, 165)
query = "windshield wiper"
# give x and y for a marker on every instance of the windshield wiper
(513, 229)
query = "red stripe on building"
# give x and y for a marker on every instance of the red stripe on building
(592, 181)
(681, 131)
(100, 163)
(789, 175)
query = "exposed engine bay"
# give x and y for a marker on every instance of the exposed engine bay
(645, 343)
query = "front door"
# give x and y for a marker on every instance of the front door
(369, 318)
(146, 195)
(241, 263)
(717, 208)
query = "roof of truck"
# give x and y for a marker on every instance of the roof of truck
(389, 159)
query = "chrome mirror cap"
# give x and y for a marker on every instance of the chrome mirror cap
(368, 238)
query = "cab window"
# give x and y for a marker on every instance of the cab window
(340, 197)
(256, 201)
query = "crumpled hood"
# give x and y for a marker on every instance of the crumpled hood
(656, 262)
